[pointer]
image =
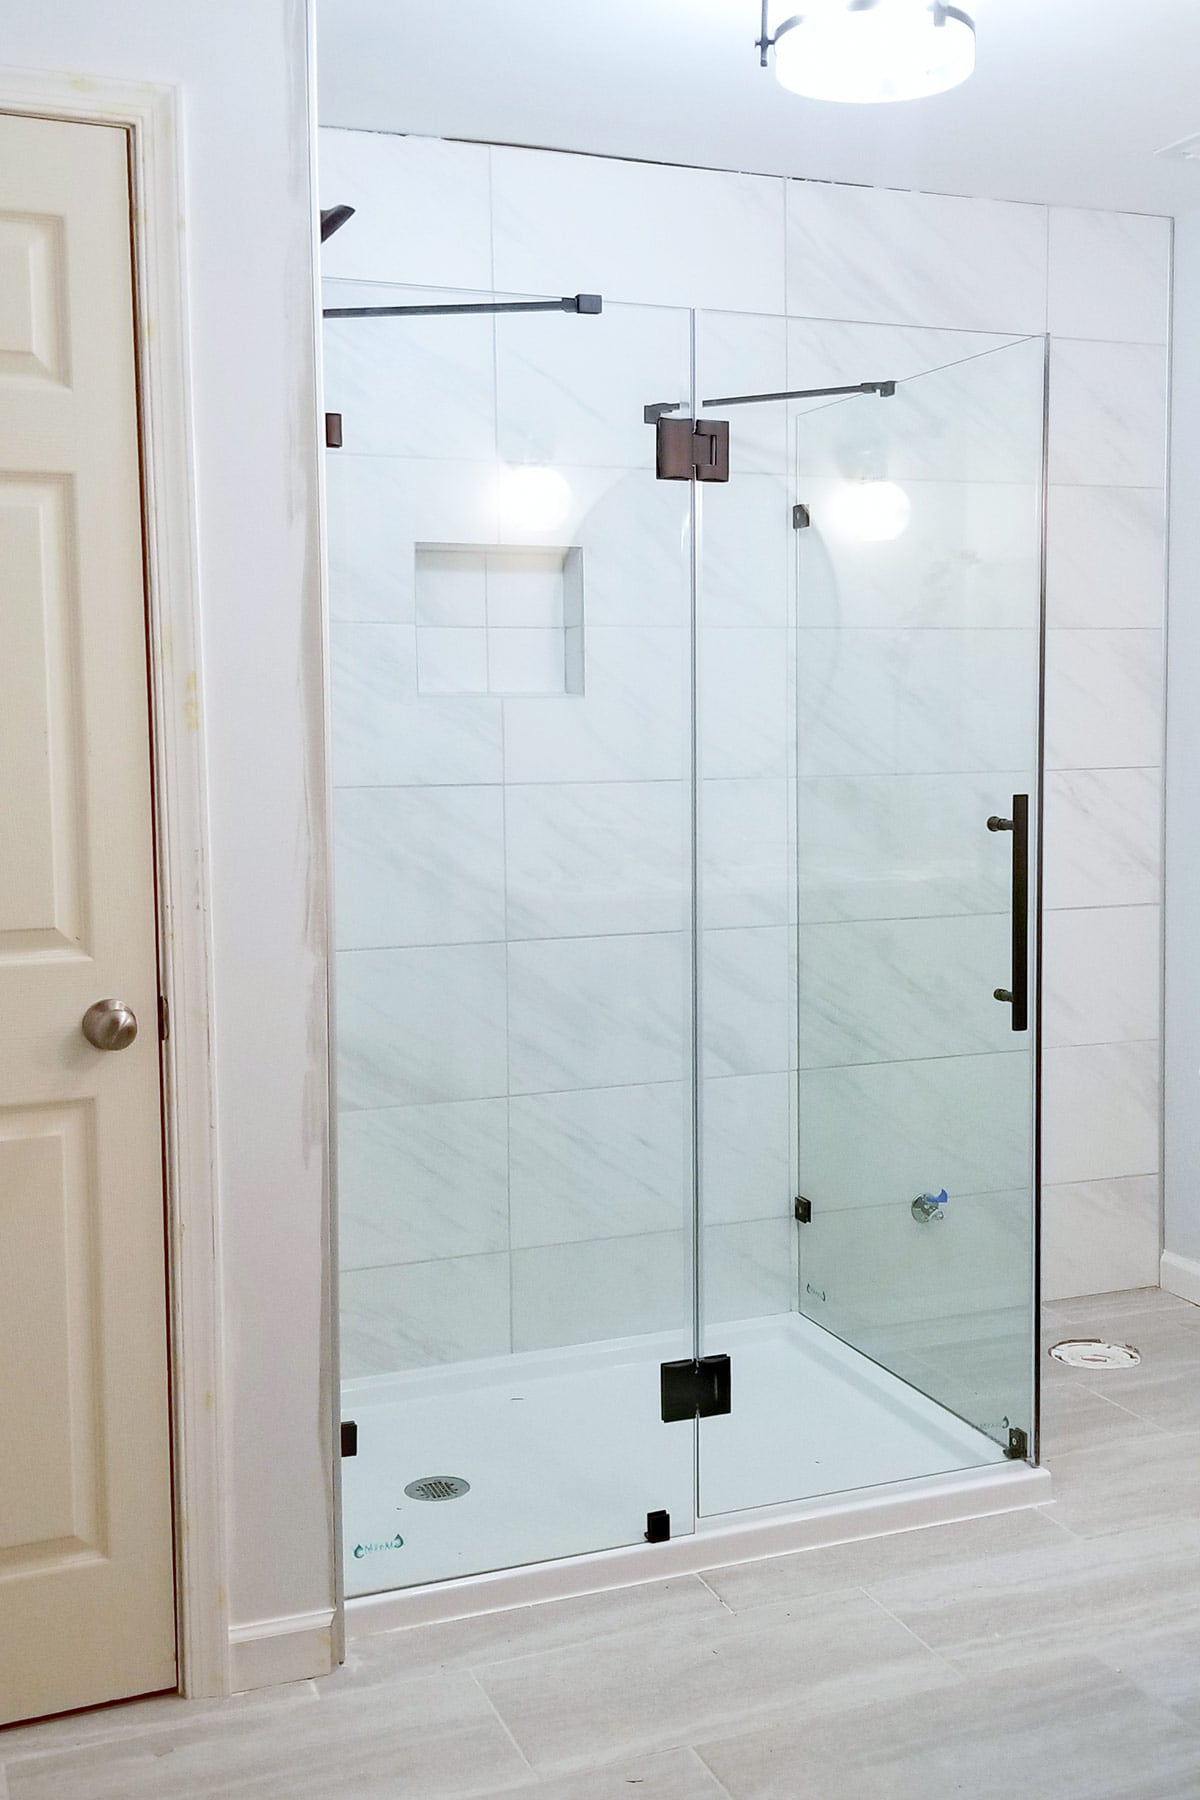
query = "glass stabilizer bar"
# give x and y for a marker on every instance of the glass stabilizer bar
(883, 388)
(570, 303)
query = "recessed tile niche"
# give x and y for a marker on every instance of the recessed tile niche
(499, 619)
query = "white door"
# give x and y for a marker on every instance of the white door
(86, 1577)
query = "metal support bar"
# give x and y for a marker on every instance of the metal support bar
(883, 388)
(570, 303)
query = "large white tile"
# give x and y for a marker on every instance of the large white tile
(893, 989)
(636, 231)
(1108, 414)
(629, 724)
(970, 554)
(743, 702)
(593, 858)
(1099, 1237)
(1100, 1112)
(912, 258)
(882, 702)
(903, 846)
(745, 1161)
(572, 388)
(1110, 275)
(419, 1182)
(1102, 832)
(419, 387)
(1106, 556)
(452, 659)
(880, 1134)
(749, 1270)
(1100, 969)
(634, 533)
(747, 545)
(601, 1162)
(745, 353)
(610, 1288)
(416, 1314)
(418, 866)
(745, 864)
(1104, 699)
(420, 1025)
(387, 735)
(597, 1012)
(746, 1001)
(422, 208)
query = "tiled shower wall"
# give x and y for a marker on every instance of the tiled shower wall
(455, 215)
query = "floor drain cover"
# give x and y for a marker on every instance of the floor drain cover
(1094, 1353)
(438, 1487)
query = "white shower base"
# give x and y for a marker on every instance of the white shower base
(566, 1452)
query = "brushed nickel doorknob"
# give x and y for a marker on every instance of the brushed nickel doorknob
(110, 1025)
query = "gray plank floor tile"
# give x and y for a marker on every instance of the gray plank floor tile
(1119, 1485)
(659, 1686)
(1079, 1417)
(1063, 1730)
(671, 1775)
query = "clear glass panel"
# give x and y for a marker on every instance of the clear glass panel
(511, 625)
(868, 696)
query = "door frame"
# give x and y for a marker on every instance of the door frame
(152, 118)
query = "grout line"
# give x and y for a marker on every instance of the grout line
(501, 1720)
(888, 1613)
(708, 1770)
(703, 1584)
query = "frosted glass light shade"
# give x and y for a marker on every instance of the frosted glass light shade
(872, 50)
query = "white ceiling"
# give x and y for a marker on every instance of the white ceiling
(1069, 102)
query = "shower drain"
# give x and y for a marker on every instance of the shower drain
(1094, 1353)
(438, 1487)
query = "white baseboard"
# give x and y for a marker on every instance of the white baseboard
(1180, 1275)
(270, 1652)
(775, 1531)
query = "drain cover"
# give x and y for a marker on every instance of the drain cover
(438, 1487)
(1094, 1353)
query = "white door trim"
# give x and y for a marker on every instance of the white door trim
(152, 117)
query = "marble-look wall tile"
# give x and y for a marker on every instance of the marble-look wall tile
(745, 1162)
(1100, 1236)
(903, 846)
(422, 209)
(1106, 557)
(1101, 1112)
(597, 1012)
(421, 1025)
(1102, 832)
(1104, 699)
(743, 703)
(907, 702)
(880, 1134)
(597, 1163)
(567, 224)
(418, 866)
(746, 1001)
(1101, 974)
(1108, 414)
(387, 735)
(745, 353)
(746, 530)
(597, 858)
(629, 724)
(634, 533)
(422, 1182)
(611, 1288)
(749, 1270)
(1110, 275)
(912, 258)
(746, 873)
(415, 1314)
(421, 387)
(890, 990)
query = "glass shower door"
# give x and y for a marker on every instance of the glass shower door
(908, 680)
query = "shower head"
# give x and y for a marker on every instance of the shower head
(333, 218)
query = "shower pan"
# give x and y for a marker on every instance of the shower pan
(687, 781)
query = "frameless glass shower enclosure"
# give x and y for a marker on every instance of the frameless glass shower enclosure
(685, 848)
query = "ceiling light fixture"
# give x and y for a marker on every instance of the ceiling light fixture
(869, 50)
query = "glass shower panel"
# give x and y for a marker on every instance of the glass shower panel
(877, 1297)
(511, 636)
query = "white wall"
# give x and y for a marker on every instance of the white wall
(1181, 1147)
(243, 76)
(873, 280)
